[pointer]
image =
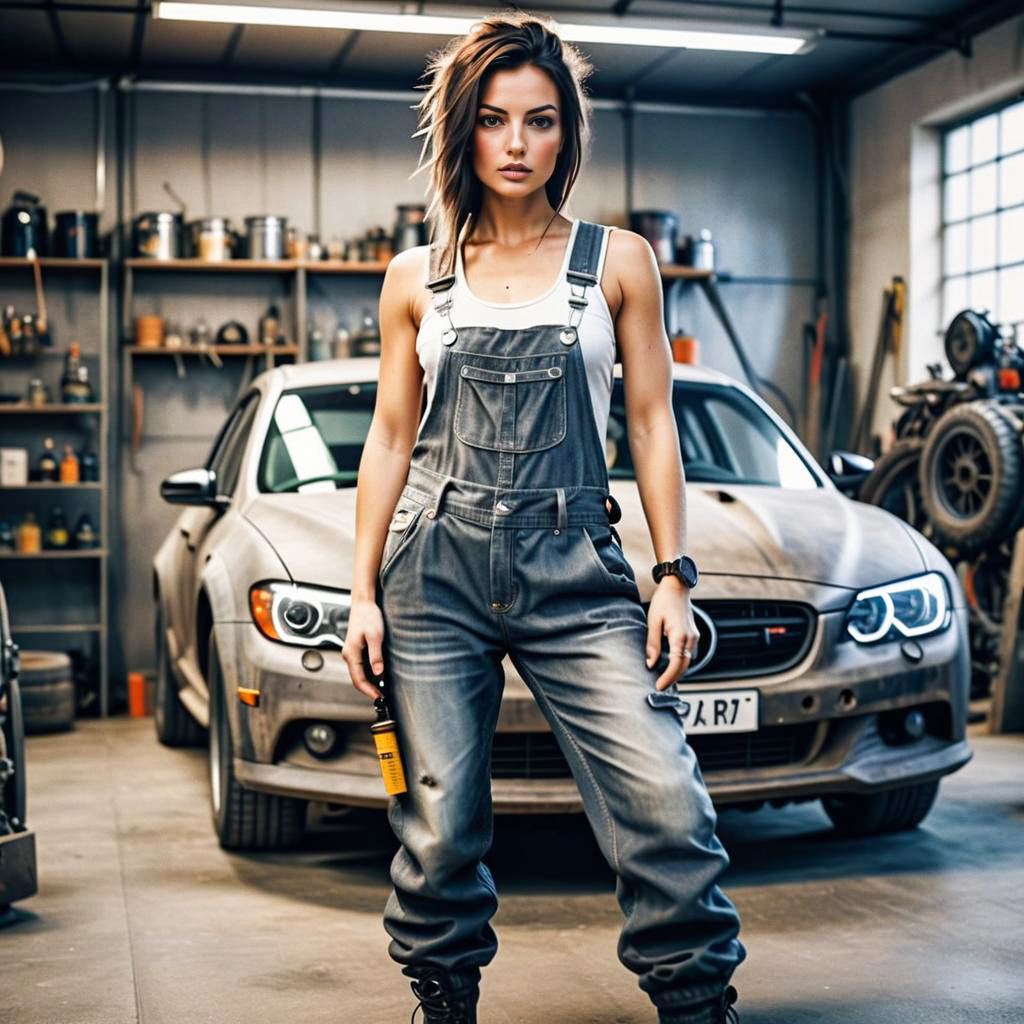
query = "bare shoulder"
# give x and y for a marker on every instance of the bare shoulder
(405, 282)
(631, 268)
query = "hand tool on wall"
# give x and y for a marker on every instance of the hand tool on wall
(42, 323)
(889, 338)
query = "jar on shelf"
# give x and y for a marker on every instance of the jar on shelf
(30, 537)
(57, 536)
(38, 392)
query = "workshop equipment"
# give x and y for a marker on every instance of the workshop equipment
(890, 332)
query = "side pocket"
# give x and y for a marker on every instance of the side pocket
(402, 526)
(607, 553)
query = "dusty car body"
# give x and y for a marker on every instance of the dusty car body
(785, 702)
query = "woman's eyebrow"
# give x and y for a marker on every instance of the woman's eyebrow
(535, 110)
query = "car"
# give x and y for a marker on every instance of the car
(833, 663)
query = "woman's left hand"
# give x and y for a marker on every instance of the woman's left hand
(670, 615)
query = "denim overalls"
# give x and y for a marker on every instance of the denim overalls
(501, 542)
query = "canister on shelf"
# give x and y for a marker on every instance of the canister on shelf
(212, 239)
(149, 331)
(38, 392)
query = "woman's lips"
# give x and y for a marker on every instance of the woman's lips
(514, 175)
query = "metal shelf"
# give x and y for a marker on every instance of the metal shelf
(56, 408)
(53, 263)
(220, 350)
(95, 627)
(54, 485)
(46, 586)
(61, 553)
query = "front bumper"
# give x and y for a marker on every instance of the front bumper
(823, 712)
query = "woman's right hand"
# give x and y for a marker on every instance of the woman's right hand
(365, 632)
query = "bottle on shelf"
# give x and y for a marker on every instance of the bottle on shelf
(367, 339)
(342, 343)
(70, 470)
(74, 385)
(269, 328)
(30, 539)
(89, 466)
(85, 533)
(47, 464)
(318, 348)
(7, 538)
(38, 393)
(57, 536)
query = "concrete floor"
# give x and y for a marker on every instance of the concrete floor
(141, 917)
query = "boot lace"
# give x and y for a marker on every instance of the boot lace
(441, 1001)
(728, 998)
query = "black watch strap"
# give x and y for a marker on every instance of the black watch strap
(684, 567)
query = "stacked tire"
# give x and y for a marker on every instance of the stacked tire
(47, 691)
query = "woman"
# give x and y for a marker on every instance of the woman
(500, 540)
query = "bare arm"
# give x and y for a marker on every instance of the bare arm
(384, 463)
(653, 438)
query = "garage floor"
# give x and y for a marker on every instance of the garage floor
(142, 917)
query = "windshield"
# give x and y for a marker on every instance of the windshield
(317, 434)
(724, 437)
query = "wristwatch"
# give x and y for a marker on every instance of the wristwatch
(684, 567)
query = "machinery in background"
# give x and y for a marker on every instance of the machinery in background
(17, 840)
(955, 472)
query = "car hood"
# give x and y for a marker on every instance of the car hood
(819, 535)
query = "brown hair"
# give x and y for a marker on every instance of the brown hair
(502, 41)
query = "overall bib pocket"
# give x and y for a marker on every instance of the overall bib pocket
(402, 526)
(511, 411)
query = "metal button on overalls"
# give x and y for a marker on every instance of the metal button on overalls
(516, 554)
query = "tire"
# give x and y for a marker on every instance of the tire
(47, 691)
(892, 810)
(243, 819)
(894, 483)
(972, 474)
(175, 726)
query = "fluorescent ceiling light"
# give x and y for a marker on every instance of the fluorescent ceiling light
(424, 24)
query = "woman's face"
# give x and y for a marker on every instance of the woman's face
(518, 122)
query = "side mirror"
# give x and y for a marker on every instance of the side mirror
(193, 487)
(848, 470)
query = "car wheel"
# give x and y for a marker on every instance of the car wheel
(972, 473)
(892, 810)
(893, 483)
(243, 819)
(175, 726)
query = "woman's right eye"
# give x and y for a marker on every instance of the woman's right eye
(487, 117)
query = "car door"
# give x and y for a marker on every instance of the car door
(199, 525)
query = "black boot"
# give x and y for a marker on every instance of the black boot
(716, 1011)
(445, 997)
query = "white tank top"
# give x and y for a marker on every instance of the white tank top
(596, 331)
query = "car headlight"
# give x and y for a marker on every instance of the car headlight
(295, 614)
(910, 607)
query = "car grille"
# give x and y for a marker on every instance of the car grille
(533, 755)
(755, 638)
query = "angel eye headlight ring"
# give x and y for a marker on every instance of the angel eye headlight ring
(917, 606)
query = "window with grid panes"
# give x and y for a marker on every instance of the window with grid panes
(983, 216)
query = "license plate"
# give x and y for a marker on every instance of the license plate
(719, 710)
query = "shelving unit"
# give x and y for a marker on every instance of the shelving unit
(67, 579)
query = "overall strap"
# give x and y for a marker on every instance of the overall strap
(582, 273)
(441, 285)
